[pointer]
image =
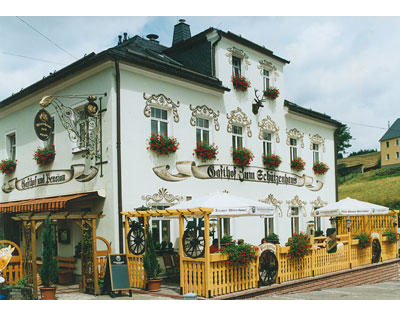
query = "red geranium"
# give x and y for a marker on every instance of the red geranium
(162, 144)
(44, 156)
(242, 156)
(297, 164)
(320, 168)
(271, 161)
(272, 93)
(206, 151)
(299, 246)
(8, 166)
(240, 82)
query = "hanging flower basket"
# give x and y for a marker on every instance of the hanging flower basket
(299, 245)
(242, 156)
(8, 166)
(271, 161)
(391, 236)
(44, 156)
(320, 168)
(240, 83)
(205, 151)
(297, 164)
(271, 93)
(162, 144)
(363, 240)
(239, 254)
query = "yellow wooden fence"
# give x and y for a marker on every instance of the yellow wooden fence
(13, 272)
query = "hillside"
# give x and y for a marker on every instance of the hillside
(381, 186)
(367, 160)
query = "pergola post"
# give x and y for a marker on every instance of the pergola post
(207, 253)
(181, 230)
(34, 264)
(94, 253)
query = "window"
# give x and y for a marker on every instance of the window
(397, 155)
(266, 79)
(295, 224)
(268, 225)
(387, 156)
(225, 224)
(83, 125)
(11, 146)
(161, 228)
(237, 136)
(293, 149)
(397, 142)
(267, 143)
(387, 144)
(315, 153)
(202, 130)
(236, 66)
(159, 121)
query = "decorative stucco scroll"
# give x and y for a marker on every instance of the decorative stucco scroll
(204, 111)
(268, 125)
(294, 133)
(296, 202)
(317, 203)
(237, 52)
(238, 117)
(160, 100)
(317, 139)
(275, 202)
(162, 197)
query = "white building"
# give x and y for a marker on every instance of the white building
(153, 88)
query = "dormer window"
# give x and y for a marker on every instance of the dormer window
(236, 66)
(266, 78)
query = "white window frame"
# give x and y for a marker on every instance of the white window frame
(265, 142)
(294, 149)
(268, 222)
(295, 221)
(158, 120)
(236, 136)
(203, 129)
(11, 148)
(161, 219)
(266, 78)
(316, 153)
(236, 67)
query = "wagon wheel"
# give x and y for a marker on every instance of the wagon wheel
(193, 242)
(376, 251)
(268, 268)
(136, 239)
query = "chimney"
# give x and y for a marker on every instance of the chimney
(119, 39)
(181, 32)
(125, 37)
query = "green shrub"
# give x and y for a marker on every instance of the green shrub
(150, 262)
(239, 253)
(299, 245)
(49, 269)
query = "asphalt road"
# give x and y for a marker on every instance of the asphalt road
(379, 291)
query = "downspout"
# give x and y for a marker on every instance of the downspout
(213, 54)
(119, 177)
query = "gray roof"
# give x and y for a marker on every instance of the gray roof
(392, 132)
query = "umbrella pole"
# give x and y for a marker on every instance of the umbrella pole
(219, 233)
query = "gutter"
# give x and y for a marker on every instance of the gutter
(119, 176)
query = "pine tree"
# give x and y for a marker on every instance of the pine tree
(49, 269)
(150, 262)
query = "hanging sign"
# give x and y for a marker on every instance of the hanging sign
(43, 125)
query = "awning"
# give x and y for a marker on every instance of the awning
(50, 204)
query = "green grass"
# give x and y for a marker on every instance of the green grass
(380, 186)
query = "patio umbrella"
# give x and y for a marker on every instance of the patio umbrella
(351, 207)
(228, 205)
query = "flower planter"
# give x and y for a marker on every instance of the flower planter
(297, 164)
(48, 293)
(45, 156)
(242, 156)
(8, 166)
(162, 144)
(205, 151)
(271, 93)
(154, 285)
(271, 161)
(320, 168)
(240, 83)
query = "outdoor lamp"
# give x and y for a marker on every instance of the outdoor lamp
(348, 224)
(91, 107)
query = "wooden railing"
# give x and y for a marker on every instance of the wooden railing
(136, 271)
(193, 276)
(13, 272)
(101, 257)
(368, 223)
(319, 261)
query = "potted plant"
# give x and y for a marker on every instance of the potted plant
(297, 164)
(44, 156)
(240, 82)
(273, 238)
(242, 156)
(391, 236)
(49, 268)
(205, 151)
(240, 254)
(271, 161)
(271, 93)
(363, 240)
(8, 166)
(150, 263)
(299, 246)
(320, 168)
(19, 291)
(162, 144)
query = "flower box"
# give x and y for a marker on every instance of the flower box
(205, 151)
(320, 168)
(242, 156)
(271, 93)
(271, 161)
(240, 83)
(297, 164)
(44, 156)
(8, 166)
(162, 144)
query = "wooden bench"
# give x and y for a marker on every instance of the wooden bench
(66, 267)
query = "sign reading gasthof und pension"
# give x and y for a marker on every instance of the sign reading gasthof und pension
(188, 169)
(46, 178)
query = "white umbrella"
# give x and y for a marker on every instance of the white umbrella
(351, 207)
(228, 205)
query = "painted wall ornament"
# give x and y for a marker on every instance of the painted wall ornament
(204, 111)
(240, 53)
(268, 125)
(296, 202)
(238, 117)
(317, 139)
(317, 203)
(275, 202)
(294, 133)
(160, 100)
(162, 197)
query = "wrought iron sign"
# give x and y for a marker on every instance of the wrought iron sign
(82, 126)
(43, 125)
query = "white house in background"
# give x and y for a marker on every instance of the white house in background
(185, 91)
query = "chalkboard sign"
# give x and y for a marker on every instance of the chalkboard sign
(117, 274)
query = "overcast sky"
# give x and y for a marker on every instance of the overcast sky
(346, 67)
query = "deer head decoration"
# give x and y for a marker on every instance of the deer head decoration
(258, 102)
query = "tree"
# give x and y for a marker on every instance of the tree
(150, 262)
(49, 269)
(343, 138)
